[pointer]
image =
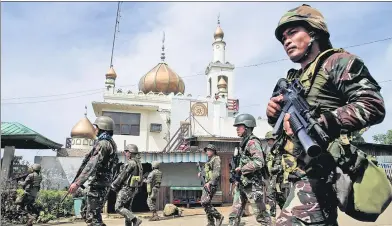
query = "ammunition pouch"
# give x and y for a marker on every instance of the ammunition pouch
(149, 188)
(362, 187)
(135, 181)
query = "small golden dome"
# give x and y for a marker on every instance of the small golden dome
(219, 33)
(111, 73)
(222, 83)
(161, 79)
(83, 129)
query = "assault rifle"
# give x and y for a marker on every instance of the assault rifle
(84, 163)
(234, 176)
(304, 126)
(202, 176)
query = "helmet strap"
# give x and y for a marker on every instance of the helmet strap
(309, 48)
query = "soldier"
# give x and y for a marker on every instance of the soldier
(153, 181)
(254, 174)
(212, 170)
(127, 185)
(31, 186)
(274, 162)
(347, 98)
(98, 171)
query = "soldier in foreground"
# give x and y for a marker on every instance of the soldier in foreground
(153, 181)
(127, 185)
(212, 170)
(98, 171)
(254, 174)
(348, 99)
(31, 186)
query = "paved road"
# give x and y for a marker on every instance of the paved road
(195, 217)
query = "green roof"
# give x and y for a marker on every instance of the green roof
(22, 137)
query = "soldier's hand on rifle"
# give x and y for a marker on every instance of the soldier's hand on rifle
(199, 175)
(238, 169)
(73, 188)
(273, 108)
(286, 125)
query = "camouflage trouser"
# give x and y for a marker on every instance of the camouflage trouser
(123, 204)
(275, 198)
(152, 199)
(26, 202)
(94, 205)
(256, 196)
(210, 210)
(309, 204)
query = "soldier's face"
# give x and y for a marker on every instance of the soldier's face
(270, 142)
(210, 152)
(295, 42)
(240, 130)
(127, 154)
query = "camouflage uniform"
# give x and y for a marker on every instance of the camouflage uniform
(153, 181)
(31, 186)
(349, 99)
(212, 170)
(128, 182)
(254, 176)
(275, 192)
(98, 171)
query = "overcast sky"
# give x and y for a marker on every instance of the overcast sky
(52, 48)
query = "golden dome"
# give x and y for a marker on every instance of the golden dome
(83, 129)
(111, 73)
(219, 33)
(162, 79)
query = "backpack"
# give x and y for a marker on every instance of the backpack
(362, 187)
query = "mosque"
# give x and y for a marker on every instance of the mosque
(167, 125)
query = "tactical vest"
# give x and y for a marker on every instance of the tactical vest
(135, 177)
(208, 168)
(34, 187)
(105, 168)
(258, 175)
(157, 178)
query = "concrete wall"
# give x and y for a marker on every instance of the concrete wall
(180, 174)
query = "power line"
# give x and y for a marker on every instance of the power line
(42, 101)
(198, 74)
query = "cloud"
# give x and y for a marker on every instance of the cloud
(54, 48)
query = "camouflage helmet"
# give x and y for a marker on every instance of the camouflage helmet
(36, 167)
(210, 146)
(269, 135)
(132, 148)
(245, 119)
(104, 123)
(302, 14)
(155, 164)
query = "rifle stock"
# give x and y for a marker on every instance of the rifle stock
(305, 127)
(202, 176)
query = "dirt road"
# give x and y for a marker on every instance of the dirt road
(196, 217)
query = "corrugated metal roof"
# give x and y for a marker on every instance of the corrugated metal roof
(148, 157)
(22, 137)
(15, 128)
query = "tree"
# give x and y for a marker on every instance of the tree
(383, 138)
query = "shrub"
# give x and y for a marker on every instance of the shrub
(48, 201)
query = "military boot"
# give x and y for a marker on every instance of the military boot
(136, 221)
(155, 216)
(234, 222)
(219, 220)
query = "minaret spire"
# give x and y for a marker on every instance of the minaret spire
(85, 107)
(163, 48)
(218, 19)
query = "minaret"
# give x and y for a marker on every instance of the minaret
(163, 48)
(110, 82)
(219, 46)
(219, 72)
